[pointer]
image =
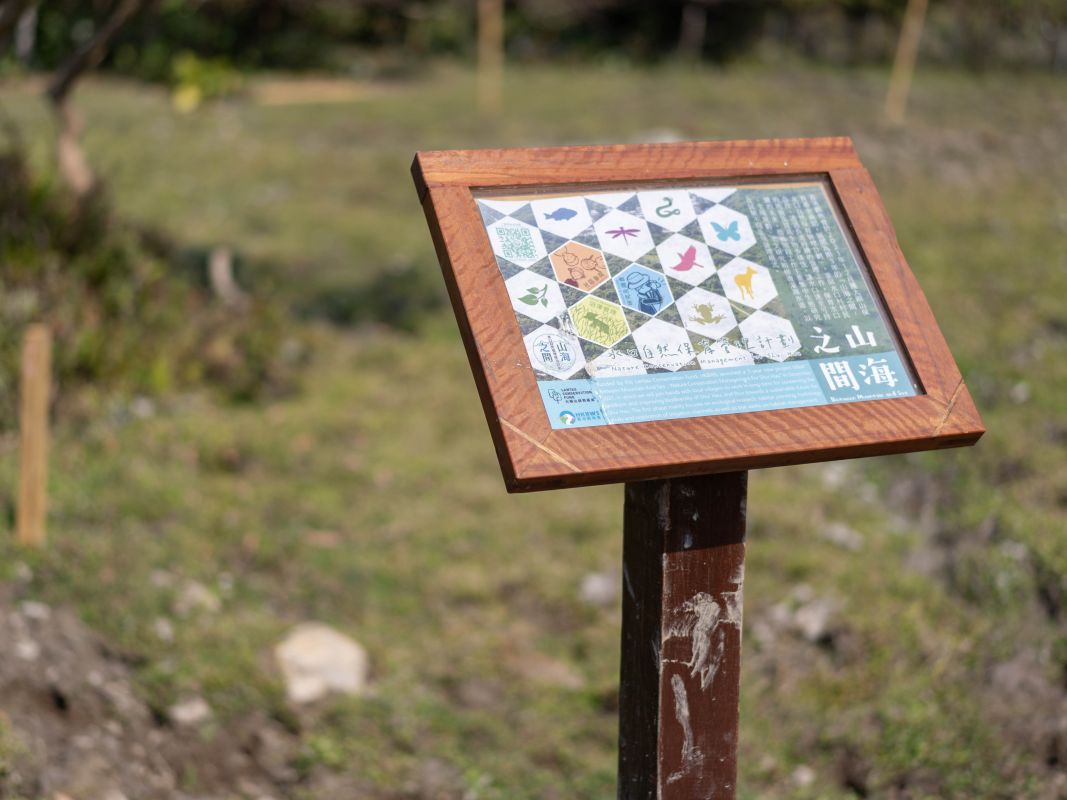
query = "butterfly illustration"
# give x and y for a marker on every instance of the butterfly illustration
(727, 233)
(625, 233)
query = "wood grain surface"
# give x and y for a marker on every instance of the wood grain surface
(683, 578)
(533, 456)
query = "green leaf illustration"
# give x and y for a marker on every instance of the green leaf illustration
(529, 299)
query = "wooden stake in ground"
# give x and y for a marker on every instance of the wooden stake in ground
(683, 574)
(896, 101)
(33, 435)
(490, 55)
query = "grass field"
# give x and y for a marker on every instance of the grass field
(371, 499)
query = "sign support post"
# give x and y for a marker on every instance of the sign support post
(683, 576)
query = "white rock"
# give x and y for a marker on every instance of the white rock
(813, 619)
(599, 589)
(142, 407)
(191, 711)
(195, 596)
(660, 136)
(843, 536)
(27, 649)
(803, 776)
(31, 609)
(163, 629)
(315, 660)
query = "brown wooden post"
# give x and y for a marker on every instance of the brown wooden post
(896, 101)
(683, 573)
(490, 55)
(33, 435)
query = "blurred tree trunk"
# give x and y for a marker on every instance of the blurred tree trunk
(10, 13)
(73, 165)
(26, 35)
(694, 30)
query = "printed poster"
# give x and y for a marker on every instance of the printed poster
(653, 304)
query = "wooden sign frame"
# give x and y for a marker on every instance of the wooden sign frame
(534, 456)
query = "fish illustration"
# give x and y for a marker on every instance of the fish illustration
(704, 314)
(562, 214)
(687, 260)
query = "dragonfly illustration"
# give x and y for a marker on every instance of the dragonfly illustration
(625, 233)
(687, 260)
(727, 233)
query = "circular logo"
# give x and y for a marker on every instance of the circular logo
(567, 417)
(554, 353)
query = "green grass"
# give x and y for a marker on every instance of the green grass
(463, 595)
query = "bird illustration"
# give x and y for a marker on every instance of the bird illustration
(687, 260)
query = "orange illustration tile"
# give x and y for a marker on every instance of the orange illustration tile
(580, 266)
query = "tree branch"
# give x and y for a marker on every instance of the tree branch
(90, 54)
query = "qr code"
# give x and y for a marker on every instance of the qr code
(516, 243)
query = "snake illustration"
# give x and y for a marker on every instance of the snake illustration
(667, 203)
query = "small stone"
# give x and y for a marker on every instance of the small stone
(843, 536)
(163, 629)
(803, 776)
(194, 596)
(316, 660)
(812, 620)
(599, 589)
(1020, 393)
(27, 649)
(192, 711)
(660, 136)
(142, 407)
(31, 609)
(835, 474)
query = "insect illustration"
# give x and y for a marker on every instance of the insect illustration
(562, 214)
(661, 210)
(625, 233)
(727, 233)
(601, 328)
(534, 296)
(687, 260)
(704, 314)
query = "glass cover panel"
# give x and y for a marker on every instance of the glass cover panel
(672, 301)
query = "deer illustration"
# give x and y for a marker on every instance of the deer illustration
(744, 282)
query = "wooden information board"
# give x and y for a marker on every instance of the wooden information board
(671, 316)
(639, 312)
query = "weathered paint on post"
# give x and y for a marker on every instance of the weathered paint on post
(683, 575)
